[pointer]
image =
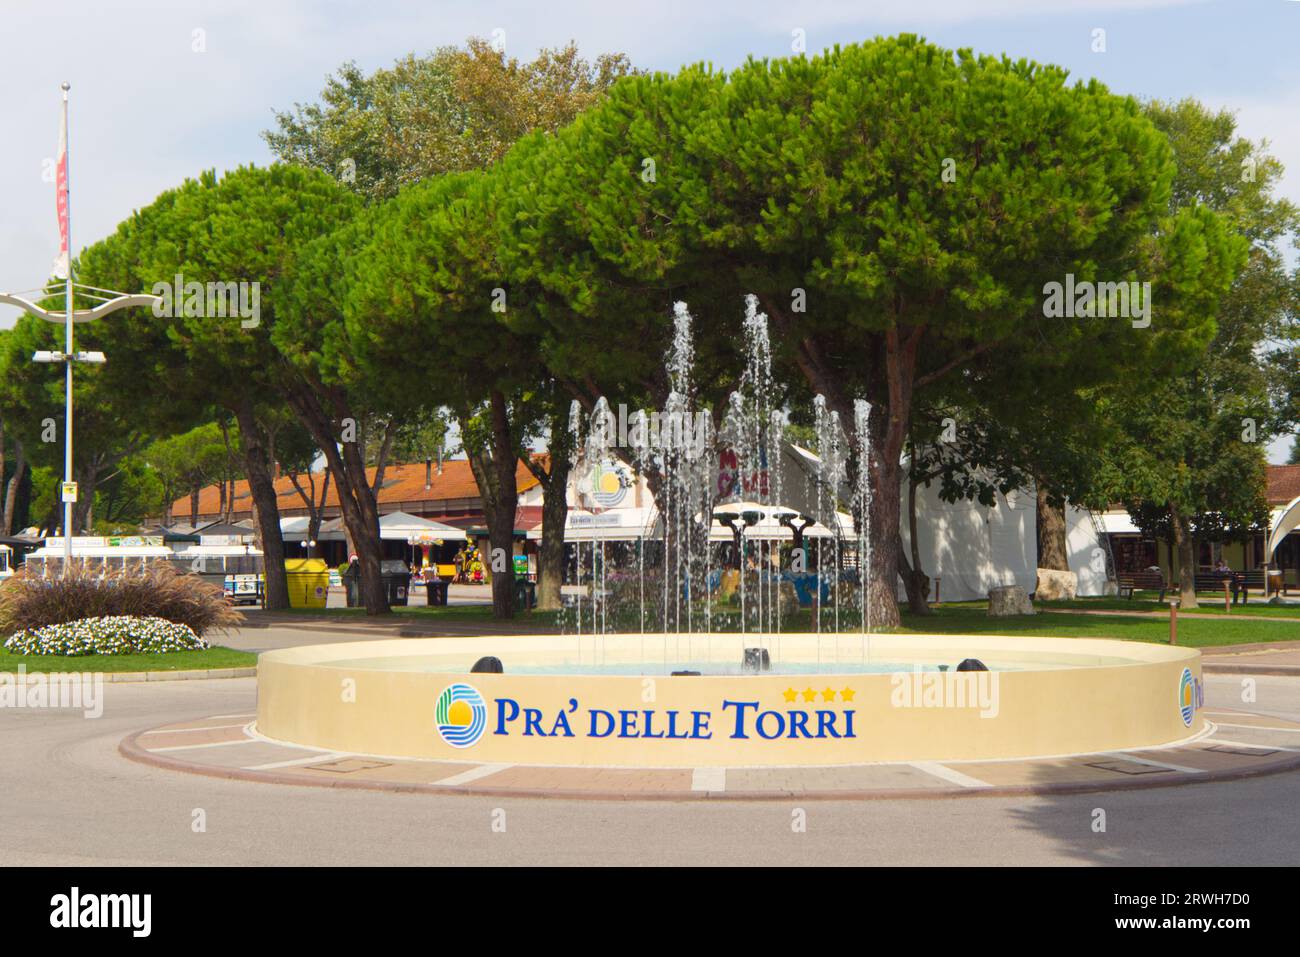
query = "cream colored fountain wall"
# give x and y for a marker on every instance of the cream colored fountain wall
(1127, 695)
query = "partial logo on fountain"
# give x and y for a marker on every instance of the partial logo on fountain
(461, 715)
(607, 483)
(1191, 695)
(946, 689)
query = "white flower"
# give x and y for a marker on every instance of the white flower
(109, 635)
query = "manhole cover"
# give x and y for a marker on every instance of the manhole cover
(1128, 767)
(1248, 752)
(347, 765)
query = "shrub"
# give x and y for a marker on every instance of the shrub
(29, 602)
(114, 635)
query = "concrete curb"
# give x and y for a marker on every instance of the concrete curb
(196, 675)
(129, 748)
(113, 677)
(1210, 667)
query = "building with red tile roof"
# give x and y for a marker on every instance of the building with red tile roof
(446, 493)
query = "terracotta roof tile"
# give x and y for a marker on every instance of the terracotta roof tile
(1283, 483)
(403, 482)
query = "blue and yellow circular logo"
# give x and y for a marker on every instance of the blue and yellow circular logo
(461, 715)
(608, 484)
(1187, 697)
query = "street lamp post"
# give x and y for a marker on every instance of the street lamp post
(108, 304)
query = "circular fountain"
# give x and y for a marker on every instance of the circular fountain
(826, 700)
(680, 647)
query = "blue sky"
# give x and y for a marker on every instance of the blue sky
(148, 109)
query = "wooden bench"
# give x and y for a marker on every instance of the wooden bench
(1253, 580)
(1130, 582)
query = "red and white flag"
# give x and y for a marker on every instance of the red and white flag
(61, 187)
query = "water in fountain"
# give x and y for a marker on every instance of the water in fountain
(667, 581)
(862, 510)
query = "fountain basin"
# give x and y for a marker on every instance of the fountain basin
(829, 700)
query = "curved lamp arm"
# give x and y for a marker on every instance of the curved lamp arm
(80, 315)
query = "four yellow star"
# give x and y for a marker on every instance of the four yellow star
(828, 694)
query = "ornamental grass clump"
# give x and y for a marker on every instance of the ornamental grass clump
(29, 602)
(111, 635)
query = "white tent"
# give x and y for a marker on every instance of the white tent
(1284, 522)
(397, 527)
(613, 525)
(769, 526)
(122, 549)
(403, 527)
(630, 524)
(295, 530)
(971, 547)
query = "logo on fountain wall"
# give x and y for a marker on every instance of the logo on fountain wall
(1191, 695)
(461, 715)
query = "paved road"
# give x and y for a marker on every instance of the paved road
(70, 798)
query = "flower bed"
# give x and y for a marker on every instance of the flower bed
(109, 635)
(29, 601)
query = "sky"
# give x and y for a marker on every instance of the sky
(162, 89)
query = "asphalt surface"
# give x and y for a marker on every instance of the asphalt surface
(70, 798)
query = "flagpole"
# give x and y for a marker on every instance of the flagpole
(63, 201)
(67, 347)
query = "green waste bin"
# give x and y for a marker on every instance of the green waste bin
(394, 574)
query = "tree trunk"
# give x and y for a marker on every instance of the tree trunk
(915, 581)
(1186, 546)
(361, 515)
(227, 483)
(87, 481)
(1053, 552)
(550, 555)
(494, 472)
(502, 531)
(3, 463)
(265, 506)
(194, 506)
(356, 498)
(314, 516)
(555, 512)
(11, 493)
(916, 596)
(888, 423)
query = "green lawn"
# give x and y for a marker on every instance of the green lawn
(1210, 604)
(439, 612)
(1054, 620)
(1206, 605)
(974, 620)
(215, 657)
